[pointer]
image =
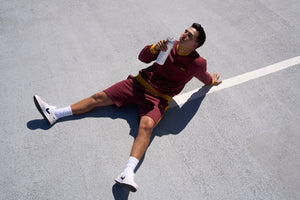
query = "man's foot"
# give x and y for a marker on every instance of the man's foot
(127, 182)
(46, 110)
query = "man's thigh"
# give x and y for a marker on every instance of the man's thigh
(153, 107)
(121, 93)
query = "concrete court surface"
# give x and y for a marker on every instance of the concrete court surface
(240, 143)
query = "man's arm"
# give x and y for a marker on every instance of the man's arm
(215, 79)
(150, 52)
(206, 77)
(209, 79)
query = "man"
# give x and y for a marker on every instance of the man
(151, 90)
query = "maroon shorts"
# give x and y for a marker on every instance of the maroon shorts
(130, 91)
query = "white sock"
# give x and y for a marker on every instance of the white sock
(63, 112)
(131, 165)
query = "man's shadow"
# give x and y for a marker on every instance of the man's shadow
(173, 122)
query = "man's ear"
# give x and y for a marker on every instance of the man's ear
(196, 45)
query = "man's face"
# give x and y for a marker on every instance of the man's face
(188, 38)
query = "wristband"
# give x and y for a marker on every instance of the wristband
(153, 50)
(212, 82)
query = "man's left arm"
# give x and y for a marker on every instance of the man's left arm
(215, 79)
(206, 77)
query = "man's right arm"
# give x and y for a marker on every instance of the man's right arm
(148, 54)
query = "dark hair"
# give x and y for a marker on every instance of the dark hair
(201, 36)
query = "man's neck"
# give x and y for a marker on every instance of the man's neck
(182, 52)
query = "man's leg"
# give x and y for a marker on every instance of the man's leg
(52, 114)
(88, 104)
(142, 140)
(139, 148)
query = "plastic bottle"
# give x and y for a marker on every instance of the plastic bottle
(163, 55)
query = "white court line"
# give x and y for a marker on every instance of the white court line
(236, 80)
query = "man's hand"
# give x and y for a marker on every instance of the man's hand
(161, 45)
(215, 78)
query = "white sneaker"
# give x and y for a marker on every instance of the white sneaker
(127, 182)
(46, 110)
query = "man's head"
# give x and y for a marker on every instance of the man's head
(201, 34)
(192, 38)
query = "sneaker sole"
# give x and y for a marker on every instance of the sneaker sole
(37, 105)
(126, 186)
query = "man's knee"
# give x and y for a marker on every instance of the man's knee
(147, 123)
(101, 99)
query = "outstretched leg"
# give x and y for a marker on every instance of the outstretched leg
(51, 114)
(88, 104)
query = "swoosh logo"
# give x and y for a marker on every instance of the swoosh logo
(47, 110)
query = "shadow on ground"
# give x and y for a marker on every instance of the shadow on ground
(173, 122)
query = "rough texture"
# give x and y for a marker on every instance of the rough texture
(240, 143)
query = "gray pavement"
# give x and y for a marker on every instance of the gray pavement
(239, 143)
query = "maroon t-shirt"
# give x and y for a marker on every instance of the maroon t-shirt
(171, 77)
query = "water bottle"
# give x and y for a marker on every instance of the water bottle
(163, 55)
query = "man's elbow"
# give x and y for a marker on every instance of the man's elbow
(142, 59)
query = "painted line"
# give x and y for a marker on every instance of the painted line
(236, 80)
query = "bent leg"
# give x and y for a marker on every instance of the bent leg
(139, 147)
(142, 140)
(97, 100)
